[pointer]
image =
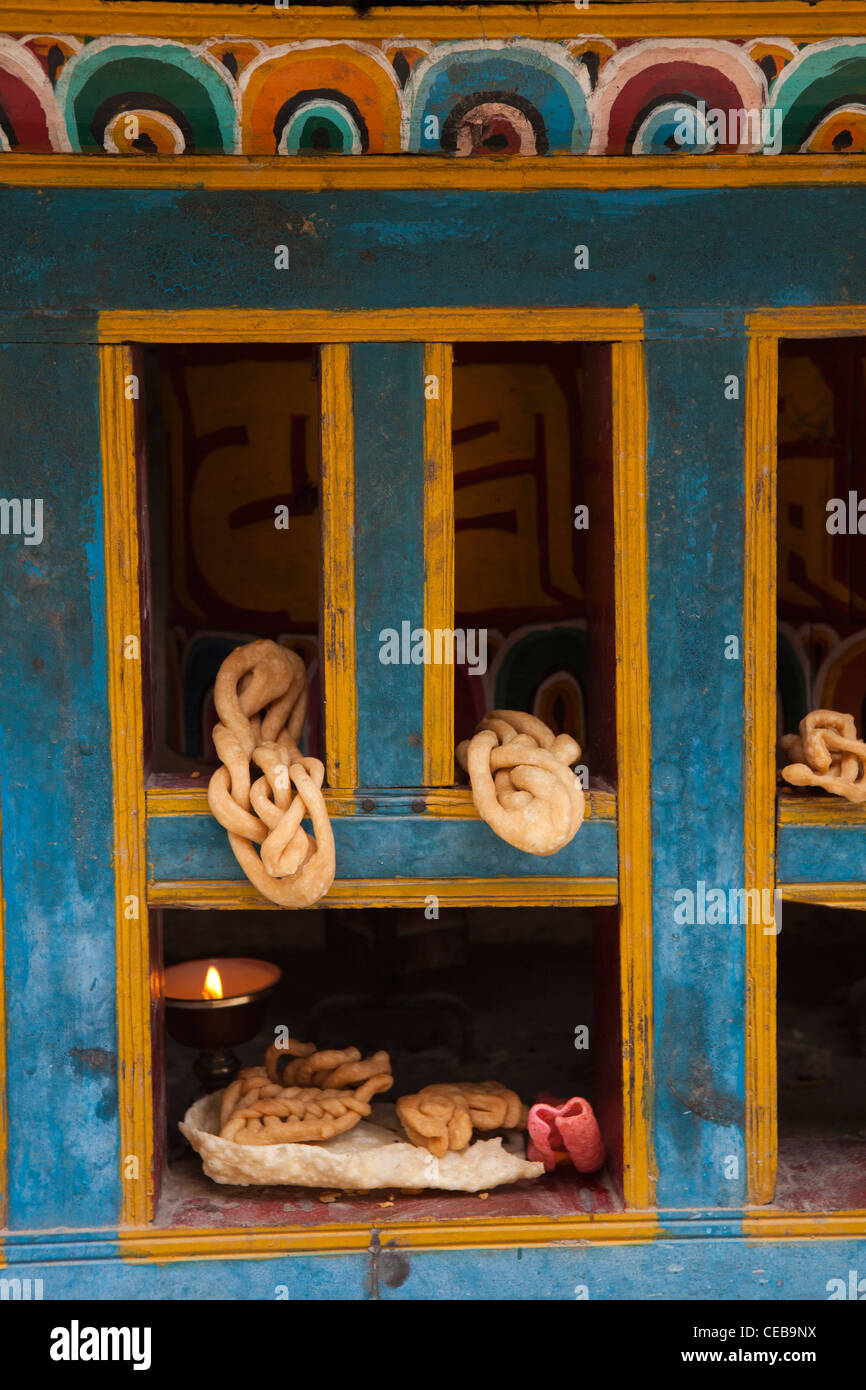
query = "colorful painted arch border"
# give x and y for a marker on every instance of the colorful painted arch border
(146, 95)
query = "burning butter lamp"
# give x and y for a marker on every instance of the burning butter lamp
(215, 1005)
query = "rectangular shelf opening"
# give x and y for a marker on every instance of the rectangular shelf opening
(533, 533)
(231, 542)
(822, 1059)
(821, 533)
(477, 994)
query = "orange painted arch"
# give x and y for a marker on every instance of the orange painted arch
(365, 77)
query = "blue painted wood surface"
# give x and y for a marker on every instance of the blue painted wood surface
(80, 250)
(370, 846)
(691, 1269)
(712, 256)
(695, 535)
(388, 400)
(821, 854)
(56, 788)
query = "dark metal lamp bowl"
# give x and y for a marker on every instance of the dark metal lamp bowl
(215, 1026)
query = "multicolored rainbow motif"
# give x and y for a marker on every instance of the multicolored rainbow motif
(584, 95)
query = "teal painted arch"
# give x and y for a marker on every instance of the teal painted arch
(665, 131)
(318, 126)
(822, 78)
(108, 77)
(542, 652)
(544, 85)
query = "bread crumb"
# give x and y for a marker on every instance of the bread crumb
(330, 1196)
(482, 1196)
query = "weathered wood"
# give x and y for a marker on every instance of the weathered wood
(372, 846)
(56, 779)
(77, 249)
(695, 530)
(388, 398)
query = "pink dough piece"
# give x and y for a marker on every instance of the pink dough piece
(571, 1126)
(544, 1137)
(580, 1132)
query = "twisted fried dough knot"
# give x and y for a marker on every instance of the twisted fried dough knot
(299, 1064)
(261, 699)
(522, 784)
(827, 753)
(442, 1117)
(302, 1095)
(298, 1114)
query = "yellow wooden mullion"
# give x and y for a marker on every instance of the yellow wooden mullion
(775, 1225)
(123, 613)
(807, 321)
(337, 511)
(467, 1233)
(759, 671)
(438, 721)
(629, 410)
(528, 891)
(844, 895)
(792, 808)
(343, 801)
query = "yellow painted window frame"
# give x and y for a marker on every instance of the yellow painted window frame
(766, 328)
(119, 331)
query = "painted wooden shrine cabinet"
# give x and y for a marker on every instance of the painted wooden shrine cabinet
(543, 326)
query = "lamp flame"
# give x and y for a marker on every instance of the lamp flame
(213, 985)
